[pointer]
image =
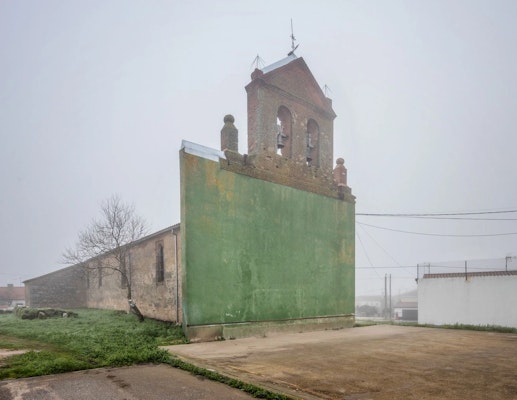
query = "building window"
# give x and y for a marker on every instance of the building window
(160, 263)
(99, 273)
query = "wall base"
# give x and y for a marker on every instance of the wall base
(205, 333)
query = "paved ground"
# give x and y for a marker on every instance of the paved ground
(147, 382)
(377, 362)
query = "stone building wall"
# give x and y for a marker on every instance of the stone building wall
(88, 287)
(155, 299)
(65, 288)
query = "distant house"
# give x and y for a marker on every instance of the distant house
(405, 306)
(406, 311)
(11, 296)
(473, 298)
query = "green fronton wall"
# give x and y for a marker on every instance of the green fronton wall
(258, 251)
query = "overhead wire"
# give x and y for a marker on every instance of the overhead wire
(365, 252)
(458, 216)
(437, 234)
(435, 214)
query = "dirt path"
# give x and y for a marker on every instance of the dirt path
(4, 353)
(377, 362)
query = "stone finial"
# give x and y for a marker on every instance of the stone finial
(229, 134)
(256, 74)
(339, 174)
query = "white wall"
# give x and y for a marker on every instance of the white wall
(480, 300)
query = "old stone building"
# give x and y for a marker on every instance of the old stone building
(267, 238)
(154, 272)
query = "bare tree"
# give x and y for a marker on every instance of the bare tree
(104, 247)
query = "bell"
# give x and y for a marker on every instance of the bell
(309, 148)
(280, 141)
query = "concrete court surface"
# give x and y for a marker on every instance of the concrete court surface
(143, 382)
(376, 362)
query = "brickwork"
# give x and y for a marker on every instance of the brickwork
(278, 169)
(291, 86)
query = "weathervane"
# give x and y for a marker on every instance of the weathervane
(293, 47)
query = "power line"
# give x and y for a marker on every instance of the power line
(437, 234)
(388, 267)
(435, 214)
(459, 218)
(382, 248)
(364, 249)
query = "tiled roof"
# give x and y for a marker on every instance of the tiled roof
(406, 304)
(470, 274)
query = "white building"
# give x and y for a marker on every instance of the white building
(473, 298)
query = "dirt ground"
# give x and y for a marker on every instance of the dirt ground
(377, 362)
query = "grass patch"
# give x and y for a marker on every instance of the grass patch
(253, 390)
(96, 338)
(482, 328)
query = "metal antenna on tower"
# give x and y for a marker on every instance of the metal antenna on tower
(293, 47)
(326, 90)
(258, 62)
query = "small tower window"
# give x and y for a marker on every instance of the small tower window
(284, 132)
(312, 143)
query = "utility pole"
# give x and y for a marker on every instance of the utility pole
(390, 300)
(385, 296)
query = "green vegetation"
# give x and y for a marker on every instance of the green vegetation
(253, 390)
(94, 339)
(97, 338)
(483, 328)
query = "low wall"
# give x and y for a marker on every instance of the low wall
(202, 333)
(468, 299)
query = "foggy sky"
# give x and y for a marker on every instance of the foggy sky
(96, 96)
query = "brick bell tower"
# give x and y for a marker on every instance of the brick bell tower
(290, 132)
(289, 115)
